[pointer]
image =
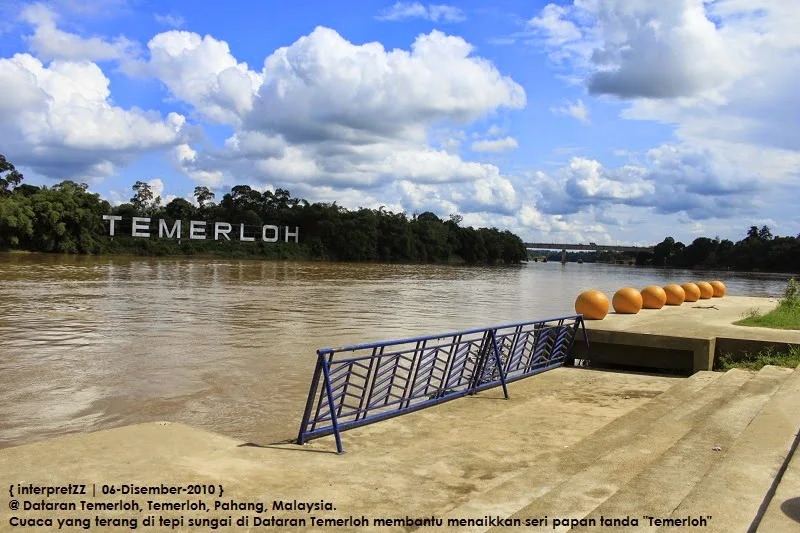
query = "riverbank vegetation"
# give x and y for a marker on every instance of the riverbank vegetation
(785, 316)
(759, 250)
(67, 218)
(790, 358)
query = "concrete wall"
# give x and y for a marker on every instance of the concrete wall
(664, 352)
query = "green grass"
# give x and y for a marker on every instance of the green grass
(785, 316)
(782, 317)
(789, 358)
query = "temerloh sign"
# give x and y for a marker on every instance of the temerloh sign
(141, 227)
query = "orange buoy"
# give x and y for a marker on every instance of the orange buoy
(653, 297)
(675, 294)
(719, 289)
(593, 305)
(692, 292)
(627, 301)
(706, 290)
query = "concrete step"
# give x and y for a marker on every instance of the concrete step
(508, 494)
(783, 513)
(734, 490)
(615, 467)
(511, 493)
(657, 490)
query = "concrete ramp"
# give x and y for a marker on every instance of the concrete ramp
(571, 445)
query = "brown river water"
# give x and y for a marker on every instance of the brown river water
(89, 343)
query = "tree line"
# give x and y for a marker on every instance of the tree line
(67, 218)
(759, 250)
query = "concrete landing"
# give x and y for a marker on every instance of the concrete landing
(412, 466)
(571, 444)
(687, 337)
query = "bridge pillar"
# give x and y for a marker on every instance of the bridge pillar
(564, 256)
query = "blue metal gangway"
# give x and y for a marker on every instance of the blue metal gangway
(357, 385)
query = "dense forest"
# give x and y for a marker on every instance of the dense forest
(759, 250)
(67, 218)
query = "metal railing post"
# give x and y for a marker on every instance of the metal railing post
(312, 391)
(586, 338)
(334, 422)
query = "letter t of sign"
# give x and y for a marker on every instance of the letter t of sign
(112, 219)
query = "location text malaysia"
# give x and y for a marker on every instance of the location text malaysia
(198, 230)
(202, 506)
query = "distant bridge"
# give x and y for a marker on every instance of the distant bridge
(592, 247)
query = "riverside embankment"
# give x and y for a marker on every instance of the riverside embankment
(572, 444)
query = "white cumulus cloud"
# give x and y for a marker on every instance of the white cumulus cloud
(49, 42)
(200, 71)
(495, 145)
(642, 49)
(173, 21)
(58, 119)
(724, 74)
(432, 12)
(330, 112)
(576, 110)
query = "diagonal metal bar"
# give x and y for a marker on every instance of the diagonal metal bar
(499, 365)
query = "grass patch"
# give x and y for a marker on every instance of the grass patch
(782, 317)
(785, 316)
(789, 358)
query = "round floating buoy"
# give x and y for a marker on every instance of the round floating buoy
(692, 292)
(706, 290)
(627, 301)
(719, 289)
(675, 294)
(653, 297)
(593, 305)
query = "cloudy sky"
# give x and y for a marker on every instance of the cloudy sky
(613, 121)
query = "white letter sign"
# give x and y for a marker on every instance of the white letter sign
(264, 234)
(176, 229)
(112, 218)
(197, 229)
(241, 235)
(222, 228)
(296, 234)
(141, 227)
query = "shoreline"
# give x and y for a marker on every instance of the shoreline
(460, 262)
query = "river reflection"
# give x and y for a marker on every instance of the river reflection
(88, 343)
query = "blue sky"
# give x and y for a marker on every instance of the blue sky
(600, 120)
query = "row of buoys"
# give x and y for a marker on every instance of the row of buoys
(594, 305)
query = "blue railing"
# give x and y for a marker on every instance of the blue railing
(357, 385)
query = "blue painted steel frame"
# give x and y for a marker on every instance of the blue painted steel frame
(395, 377)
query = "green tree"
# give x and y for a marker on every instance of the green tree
(16, 220)
(180, 209)
(204, 196)
(663, 251)
(143, 196)
(10, 177)
(699, 252)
